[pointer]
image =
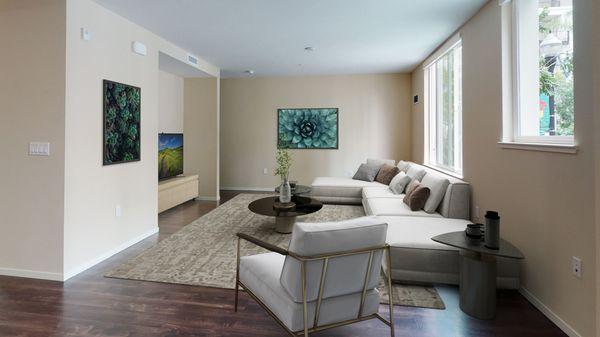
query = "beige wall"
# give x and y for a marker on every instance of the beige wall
(170, 103)
(32, 69)
(374, 121)
(92, 231)
(546, 200)
(201, 134)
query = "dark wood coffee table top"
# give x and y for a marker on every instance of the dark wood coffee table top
(461, 241)
(304, 206)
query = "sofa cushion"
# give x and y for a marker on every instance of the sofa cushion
(399, 183)
(386, 174)
(346, 274)
(417, 198)
(366, 172)
(416, 232)
(380, 162)
(339, 187)
(437, 185)
(379, 192)
(392, 206)
(403, 165)
(416, 172)
(260, 274)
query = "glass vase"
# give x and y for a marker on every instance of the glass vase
(285, 191)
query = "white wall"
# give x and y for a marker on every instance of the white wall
(91, 229)
(32, 73)
(374, 121)
(546, 200)
(170, 103)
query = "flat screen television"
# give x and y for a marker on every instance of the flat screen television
(170, 155)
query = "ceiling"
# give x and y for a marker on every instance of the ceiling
(269, 36)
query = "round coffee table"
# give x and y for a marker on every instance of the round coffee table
(285, 219)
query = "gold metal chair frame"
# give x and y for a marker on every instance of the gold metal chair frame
(325, 257)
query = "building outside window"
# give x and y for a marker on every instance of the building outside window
(543, 110)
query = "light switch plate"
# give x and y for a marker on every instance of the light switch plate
(39, 149)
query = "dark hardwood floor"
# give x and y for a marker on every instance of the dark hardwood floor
(92, 305)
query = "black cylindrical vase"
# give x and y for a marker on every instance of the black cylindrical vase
(492, 230)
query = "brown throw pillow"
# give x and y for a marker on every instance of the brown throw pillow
(411, 187)
(418, 198)
(386, 174)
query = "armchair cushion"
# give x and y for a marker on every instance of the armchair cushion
(260, 274)
(345, 275)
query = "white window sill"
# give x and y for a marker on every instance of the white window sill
(444, 171)
(558, 148)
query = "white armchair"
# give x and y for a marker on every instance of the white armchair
(327, 277)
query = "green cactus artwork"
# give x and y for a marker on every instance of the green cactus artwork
(121, 123)
(307, 128)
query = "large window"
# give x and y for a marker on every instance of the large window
(443, 77)
(542, 47)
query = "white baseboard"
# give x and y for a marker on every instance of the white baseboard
(253, 189)
(564, 326)
(43, 275)
(201, 198)
(74, 271)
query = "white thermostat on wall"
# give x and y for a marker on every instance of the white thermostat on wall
(86, 35)
(139, 48)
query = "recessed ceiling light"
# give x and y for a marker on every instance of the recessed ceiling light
(249, 72)
(309, 48)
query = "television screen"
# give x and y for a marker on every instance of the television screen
(170, 155)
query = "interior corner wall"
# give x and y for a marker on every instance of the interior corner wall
(201, 133)
(546, 200)
(170, 103)
(374, 121)
(32, 92)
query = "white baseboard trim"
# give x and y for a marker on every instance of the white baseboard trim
(74, 271)
(564, 326)
(43, 275)
(253, 189)
(201, 198)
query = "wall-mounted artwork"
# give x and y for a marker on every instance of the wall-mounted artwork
(121, 123)
(307, 128)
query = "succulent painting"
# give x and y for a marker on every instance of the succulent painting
(121, 123)
(307, 128)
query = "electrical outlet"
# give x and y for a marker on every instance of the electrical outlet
(265, 171)
(118, 211)
(576, 266)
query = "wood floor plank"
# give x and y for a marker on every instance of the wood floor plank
(90, 304)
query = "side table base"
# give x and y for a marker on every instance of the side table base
(477, 285)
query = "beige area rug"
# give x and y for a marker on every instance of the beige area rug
(203, 253)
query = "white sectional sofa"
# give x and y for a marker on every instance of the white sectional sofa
(415, 257)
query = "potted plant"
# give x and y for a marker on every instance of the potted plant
(284, 162)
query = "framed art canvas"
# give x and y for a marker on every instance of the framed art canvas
(122, 110)
(307, 128)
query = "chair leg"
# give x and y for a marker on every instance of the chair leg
(237, 276)
(390, 290)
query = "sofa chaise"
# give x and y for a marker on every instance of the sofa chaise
(414, 256)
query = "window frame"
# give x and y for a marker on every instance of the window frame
(431, 112)
(513, 136)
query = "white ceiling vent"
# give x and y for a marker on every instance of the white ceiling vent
(192, 59)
